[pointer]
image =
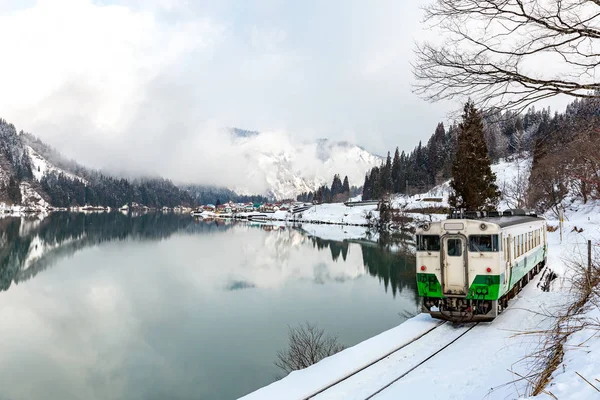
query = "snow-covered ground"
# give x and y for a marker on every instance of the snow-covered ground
(488, 362)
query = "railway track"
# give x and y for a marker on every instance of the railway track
(385, 370)
(419, 364)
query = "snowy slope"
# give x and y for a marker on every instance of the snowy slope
(41, 166)
(512, 178)
(275, 164)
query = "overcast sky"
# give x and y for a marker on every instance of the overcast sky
(113, 83)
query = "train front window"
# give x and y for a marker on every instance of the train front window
(483, 243)
(428, 243)
(454, 247)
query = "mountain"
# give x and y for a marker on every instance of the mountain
(34, 175)
(278, 166)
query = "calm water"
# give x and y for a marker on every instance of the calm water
(160, 306)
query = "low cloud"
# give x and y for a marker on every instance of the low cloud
(148, 88)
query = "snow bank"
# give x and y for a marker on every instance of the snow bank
(580, 360)
(338, 213)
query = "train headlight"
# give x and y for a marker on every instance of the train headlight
(483, 226)
(423, 268)
(425, 227)
(488, 269)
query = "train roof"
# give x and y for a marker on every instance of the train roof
(503, 219)
(507, 221)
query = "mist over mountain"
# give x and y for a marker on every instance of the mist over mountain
(254, 164)
(276, 165)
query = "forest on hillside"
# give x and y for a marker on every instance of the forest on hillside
(75, 185)
(565, 148)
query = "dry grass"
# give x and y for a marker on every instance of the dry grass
(585, 290)
(552, 228)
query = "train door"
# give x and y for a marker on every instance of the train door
(455, 265)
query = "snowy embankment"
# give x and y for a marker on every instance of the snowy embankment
(333, 213)
(488, 362)
(582, 348)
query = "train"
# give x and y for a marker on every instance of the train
(472, 263)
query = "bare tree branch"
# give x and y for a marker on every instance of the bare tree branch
(307, 345)
(506, 52)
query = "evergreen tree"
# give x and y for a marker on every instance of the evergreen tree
(396, 172)
(435, 148)
(346, 187)
(14, 191)
(473, 182)
(386, 176)
(402, 177)
(367, 193)
(376, 183)
(336, 186)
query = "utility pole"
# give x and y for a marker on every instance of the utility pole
(589, 258)
(560, 223)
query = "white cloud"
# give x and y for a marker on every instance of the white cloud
(100, 57)
(146, 86)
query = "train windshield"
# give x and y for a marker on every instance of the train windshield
(428, 243)
(483, 243)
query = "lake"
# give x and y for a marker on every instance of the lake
(162, 306)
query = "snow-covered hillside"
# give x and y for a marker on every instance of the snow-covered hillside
(41, 166)
(276, 165)
(512, 178)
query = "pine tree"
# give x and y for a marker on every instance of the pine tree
(386, 176)
(346, 188)
(472, 179)
(367, 193)
(336, 186)
(435, 148)
(396, 171)
(376, 183)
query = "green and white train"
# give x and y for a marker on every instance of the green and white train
(471, 264)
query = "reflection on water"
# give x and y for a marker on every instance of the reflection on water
(162, 306)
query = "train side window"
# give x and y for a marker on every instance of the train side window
(522, 244)
(530, 234)
(483, 243)
(454, 247)
(428, 243)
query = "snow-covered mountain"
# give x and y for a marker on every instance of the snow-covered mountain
(278, 166)
(274, 164)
